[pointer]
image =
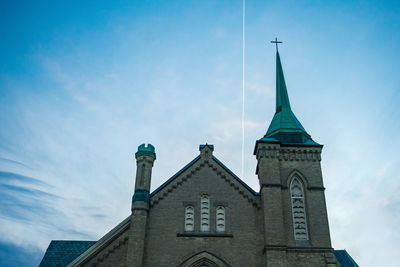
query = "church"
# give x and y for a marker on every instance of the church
(205, 215)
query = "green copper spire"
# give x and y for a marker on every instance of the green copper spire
(285, 127)
(282, 98)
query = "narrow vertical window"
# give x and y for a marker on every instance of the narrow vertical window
(220, 212)
(205, 213)
(142, 175)
(189, 218)
(298, 209)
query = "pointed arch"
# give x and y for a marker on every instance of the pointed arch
(297, 196)
(299, 175)
(204, 258)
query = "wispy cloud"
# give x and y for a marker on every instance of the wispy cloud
(14, 162)
(9, 177)
(79, 91)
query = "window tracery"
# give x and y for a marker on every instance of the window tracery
(220, 216)
(298, 209)
(205, 213)
(189, 218)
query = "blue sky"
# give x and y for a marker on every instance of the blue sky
(82, 84)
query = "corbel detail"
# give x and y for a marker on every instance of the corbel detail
(289, 153)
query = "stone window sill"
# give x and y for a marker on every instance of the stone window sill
(187, 234)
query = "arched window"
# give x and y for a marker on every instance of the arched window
(189, 218)
(220, 212)
(298, 209)
(205, 213)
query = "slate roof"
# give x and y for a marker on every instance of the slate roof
(62, 252)
(345, 259)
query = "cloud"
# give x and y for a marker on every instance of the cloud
(9, 177)
(78, 105)
(21, 201)
(5, 160)
(12, 255)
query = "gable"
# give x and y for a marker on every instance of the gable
(204, 187)
(220, 171)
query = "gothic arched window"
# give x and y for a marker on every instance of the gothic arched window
(220, 212)
(298, 209)
(189, 218)
(205, 213)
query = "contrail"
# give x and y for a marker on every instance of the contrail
(243, 75)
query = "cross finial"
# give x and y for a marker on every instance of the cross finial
(276, 42)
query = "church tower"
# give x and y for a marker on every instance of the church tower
(292, 192)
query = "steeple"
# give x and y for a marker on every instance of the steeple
(291, 188)
(285, 128)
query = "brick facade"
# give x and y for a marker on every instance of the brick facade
(258, 226)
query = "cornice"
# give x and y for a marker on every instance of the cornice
(289, 153)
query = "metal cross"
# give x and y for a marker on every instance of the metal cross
(276, 42)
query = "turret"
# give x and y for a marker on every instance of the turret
(145, 157)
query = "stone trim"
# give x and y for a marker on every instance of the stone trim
(316, 188)
(289, 153)
(105, 255)
(203, 235)
(297, 249)
(174, 184)
(273, 185)
(145, 159)
(309, 249)
(300, 175)
(274, 247)
(238, 187)
(193, 170)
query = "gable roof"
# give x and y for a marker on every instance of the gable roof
(62, 252)
(190, 164)
(206, 158)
